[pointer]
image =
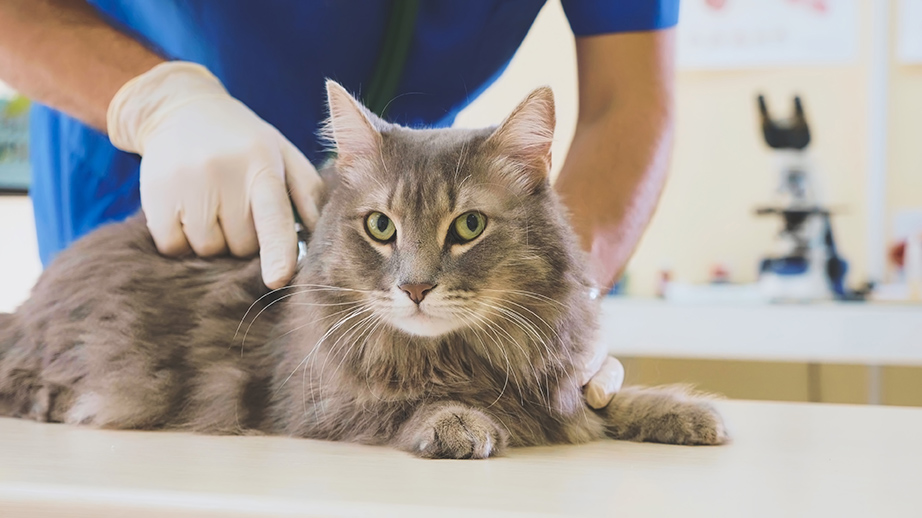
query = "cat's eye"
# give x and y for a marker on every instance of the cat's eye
(380, 227)
(469, 225)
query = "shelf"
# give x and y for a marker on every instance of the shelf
(845, 333)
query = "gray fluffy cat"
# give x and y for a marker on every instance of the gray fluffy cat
(442, 308)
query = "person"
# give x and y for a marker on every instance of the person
(223, 100)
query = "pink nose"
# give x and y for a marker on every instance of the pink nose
(417, 292)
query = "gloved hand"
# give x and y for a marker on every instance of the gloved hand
(602, 375)
(214, 176)
(601, 378)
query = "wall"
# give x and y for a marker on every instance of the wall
(721, 170)
(904, 189)
(904, 186)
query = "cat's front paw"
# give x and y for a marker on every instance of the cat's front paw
(457, 432)
(669, 415)
(690, 423)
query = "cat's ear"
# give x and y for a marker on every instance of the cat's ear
(351, 127)
(526, 135)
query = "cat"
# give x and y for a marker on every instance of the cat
(440, 308)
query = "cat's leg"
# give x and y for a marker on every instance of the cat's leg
(18, 371)
(23, 391)
(670, 415)
(449, 430)
(216, 401)
(114, 384)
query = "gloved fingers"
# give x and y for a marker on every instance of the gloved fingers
(275, 228)
(205, 236)
(168, 234)
(200, 224)
(605, 384)
(593, 362)
(163, 219)
(161, 211)
(304, 183)
(239, 230)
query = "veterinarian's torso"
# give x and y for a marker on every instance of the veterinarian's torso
(459, 47)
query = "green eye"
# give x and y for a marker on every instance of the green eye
(380, 227)
(470, 225)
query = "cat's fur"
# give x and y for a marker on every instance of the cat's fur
(117, 336)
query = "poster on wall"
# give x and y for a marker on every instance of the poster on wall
(724, 34)
(909, 45)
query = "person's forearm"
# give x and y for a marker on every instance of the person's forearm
(617, 163)
(62, 54)
(611, 181)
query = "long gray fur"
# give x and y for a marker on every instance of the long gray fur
(117, 336)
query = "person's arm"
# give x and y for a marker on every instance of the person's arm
(214, 176)
(62, 54)
(616, 167)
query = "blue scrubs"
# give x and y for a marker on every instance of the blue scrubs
(274, 55)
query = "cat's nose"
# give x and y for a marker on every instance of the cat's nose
(417, 292)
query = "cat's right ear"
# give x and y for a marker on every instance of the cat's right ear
(525, 138)
(351, 127)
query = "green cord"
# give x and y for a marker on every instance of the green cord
(398, 34)
(393, 58)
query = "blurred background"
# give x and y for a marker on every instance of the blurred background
(860, 77)
(712, 296)
(857, 67)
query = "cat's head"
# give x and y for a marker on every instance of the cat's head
(436, 231)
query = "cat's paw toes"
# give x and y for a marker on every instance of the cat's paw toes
(459, 433)
(693, 423)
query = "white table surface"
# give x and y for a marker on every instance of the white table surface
(786, 460)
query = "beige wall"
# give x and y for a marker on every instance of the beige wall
(721, 170)
(904, 186)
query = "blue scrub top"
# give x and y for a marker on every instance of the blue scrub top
(274, 56)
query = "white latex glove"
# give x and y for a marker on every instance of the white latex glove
(214, 176)
(602, 375)
(602, 378)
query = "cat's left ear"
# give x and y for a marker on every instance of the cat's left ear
(354, 130)
(526, 135)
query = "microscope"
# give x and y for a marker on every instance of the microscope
(805, 264)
